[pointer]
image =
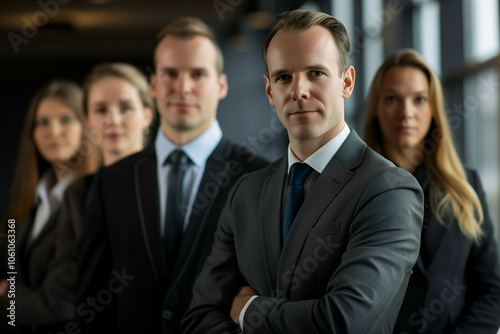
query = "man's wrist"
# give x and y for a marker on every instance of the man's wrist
(242, 313)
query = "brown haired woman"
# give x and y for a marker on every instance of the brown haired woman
(455, 285)
(55, 150)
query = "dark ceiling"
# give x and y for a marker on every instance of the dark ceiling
(105, 27)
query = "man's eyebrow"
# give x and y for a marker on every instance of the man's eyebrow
(310, 67)
(164, 69)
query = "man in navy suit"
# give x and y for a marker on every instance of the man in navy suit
(141, 254)
(323, 240)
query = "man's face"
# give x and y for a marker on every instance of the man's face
(186, 85)
(304, 84)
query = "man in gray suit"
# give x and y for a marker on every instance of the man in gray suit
(323, 240)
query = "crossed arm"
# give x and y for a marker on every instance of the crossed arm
(363, 294)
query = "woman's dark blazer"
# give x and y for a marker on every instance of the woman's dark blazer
(459, 289)
(46, 268)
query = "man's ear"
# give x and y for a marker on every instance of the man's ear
(348, 86)
(223, 86)
(269, 94)
(148, 115)
(152, 85)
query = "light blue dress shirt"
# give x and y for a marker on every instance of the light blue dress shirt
(198, 152)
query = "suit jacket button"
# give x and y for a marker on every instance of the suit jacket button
(167, 314)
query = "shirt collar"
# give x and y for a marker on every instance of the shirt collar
(319, 159)
(198, 150)
(50, 189)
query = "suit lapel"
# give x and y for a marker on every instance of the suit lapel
(439, 261)
(23, 233)
(271, 221)
(335, 176)
(49, 226)
(146, 186)
(218, 161)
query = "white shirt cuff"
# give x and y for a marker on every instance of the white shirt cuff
(242, 313)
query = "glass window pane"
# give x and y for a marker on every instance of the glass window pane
(427, 32)
(481, 30)
(373, 51)
(482, 140)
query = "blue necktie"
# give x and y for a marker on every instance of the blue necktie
(298, 175)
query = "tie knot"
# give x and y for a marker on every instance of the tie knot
(177, 157)
(299, 173)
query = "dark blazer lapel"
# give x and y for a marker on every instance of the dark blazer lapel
(23, 233)
(335, 176)
(146, 186)
(218, 161)
(420, 264)
(442, 256)
(49, 226)
(271, 221)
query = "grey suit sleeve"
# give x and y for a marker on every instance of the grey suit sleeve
(483, 278)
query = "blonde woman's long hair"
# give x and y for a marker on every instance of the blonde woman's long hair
(450, 192)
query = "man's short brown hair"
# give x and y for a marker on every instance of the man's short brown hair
(188, 27)
(303, 19)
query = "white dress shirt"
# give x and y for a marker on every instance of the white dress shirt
(198, 152)
(49, 196)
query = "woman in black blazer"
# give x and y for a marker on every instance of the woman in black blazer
(119, 111)
(455, 286)
(55, 150)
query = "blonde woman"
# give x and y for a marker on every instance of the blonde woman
(119, 112)
(455, 286)
(55, 150)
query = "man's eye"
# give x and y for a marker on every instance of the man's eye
(168, 75)
(317, 73)
(198, 74)
(282, 77)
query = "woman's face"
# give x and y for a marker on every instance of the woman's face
(58, 132)
(117, 116)
(403, 108)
